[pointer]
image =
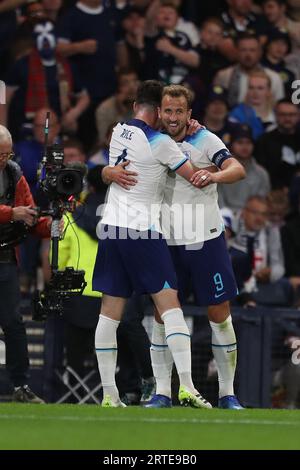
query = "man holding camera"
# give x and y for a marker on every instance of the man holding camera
(17, 209)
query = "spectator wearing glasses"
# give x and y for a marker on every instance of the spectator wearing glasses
(257, 257)
(16, 205)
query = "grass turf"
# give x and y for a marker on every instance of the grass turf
(92, 427)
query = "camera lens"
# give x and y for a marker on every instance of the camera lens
(69, 182)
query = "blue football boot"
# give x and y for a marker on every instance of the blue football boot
(230, 402)
(159, 401)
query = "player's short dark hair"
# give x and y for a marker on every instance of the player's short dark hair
(176, 91)
(149, 93)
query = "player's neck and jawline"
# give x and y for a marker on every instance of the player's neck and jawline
(148, 117)
(180, 137)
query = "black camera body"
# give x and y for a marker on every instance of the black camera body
(62, 285)
(59, 182)
(61, 185)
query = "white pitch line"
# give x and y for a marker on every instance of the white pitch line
(151, 420)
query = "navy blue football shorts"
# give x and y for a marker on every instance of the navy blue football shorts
(206, 272)
(132, 261)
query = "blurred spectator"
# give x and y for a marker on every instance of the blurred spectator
(275, 12)
(279, 150)
(52, 8)
(75, 157)
(216, 115)
(239, 18)
(29, 152)
(182, 26)
(290, 234)
(293, 27)
(23, 40)
(87, 34)
(169, 55)
(211, 61)
(134, 28)
(257, 181)
(35, 9)
(257, 110)
(257, 257)
(8, 27)
(42, 79)
(7, 5)
(277, 48)
(294, 191)
(235, 78)
(278, 203)
(118, 107)
(73, 152)
(101, 155)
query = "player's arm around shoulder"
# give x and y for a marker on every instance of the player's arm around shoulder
(120, 175)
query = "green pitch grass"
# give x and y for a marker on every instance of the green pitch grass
(92, 427)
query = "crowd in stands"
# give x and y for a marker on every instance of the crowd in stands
(241, 59)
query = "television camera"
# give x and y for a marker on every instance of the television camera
(61, 184)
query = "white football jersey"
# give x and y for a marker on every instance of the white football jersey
(151, 155)
(191, 215)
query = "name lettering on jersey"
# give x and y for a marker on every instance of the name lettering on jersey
(127, 134)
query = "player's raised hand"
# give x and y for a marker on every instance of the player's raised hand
(193, 127)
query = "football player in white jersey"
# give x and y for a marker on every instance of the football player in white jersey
(199, 251)
(132, 253)
(200, 256)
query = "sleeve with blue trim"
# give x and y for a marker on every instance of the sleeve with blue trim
(168, 153)
(215, 149)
